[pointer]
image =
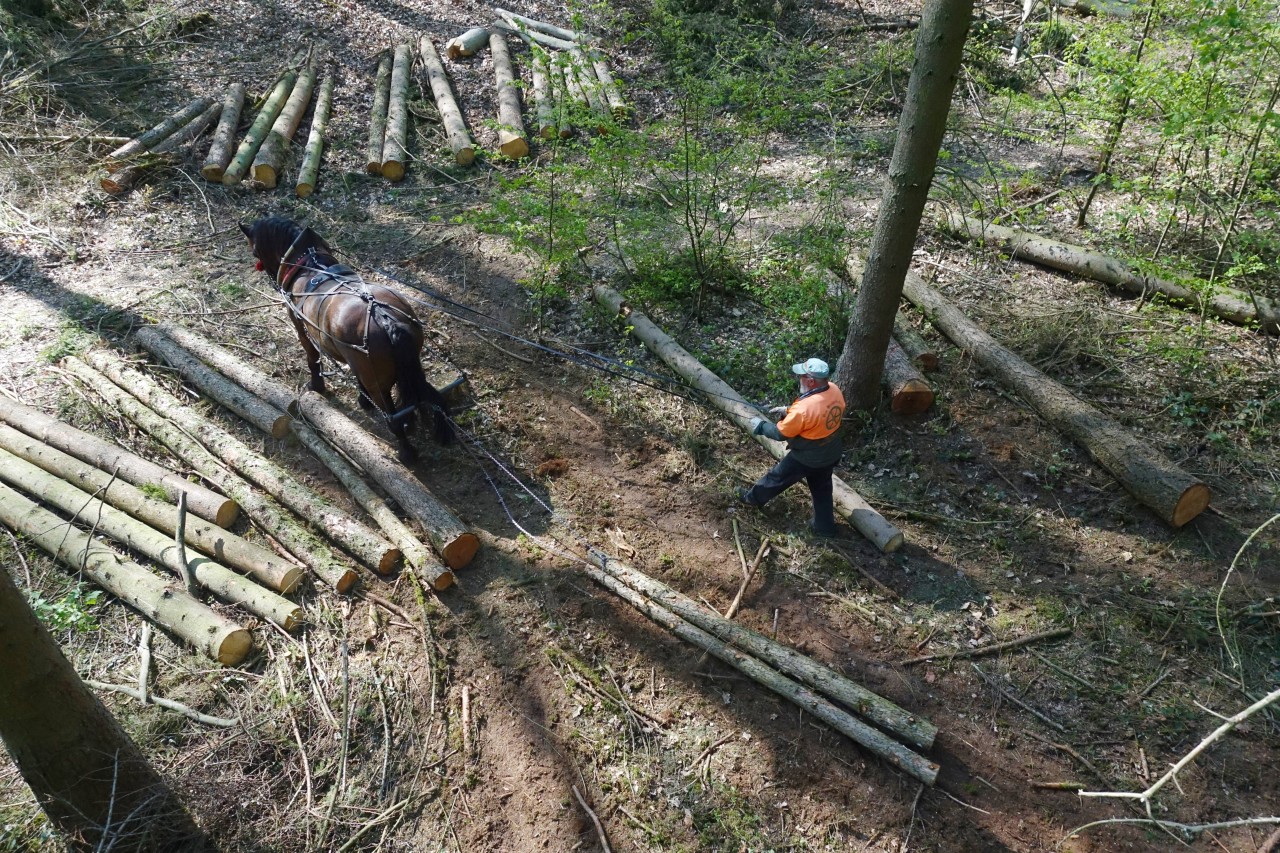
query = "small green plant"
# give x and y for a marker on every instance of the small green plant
(70, 612)
(154, 491)
(72, 340)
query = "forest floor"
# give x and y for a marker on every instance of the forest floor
(352, 734)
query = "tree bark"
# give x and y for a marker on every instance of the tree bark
(922, 355)
(543, 27)
(395, 146)
(1235, 306)
(126, 176)
(938, 50)
(464, 150)
(157, 134)
(163, 342)
(864, 519)
(270, 159)
(616, 104)
(909, 393)
(467, 44)
(108, 520)
(1176, 496)
(310, 169)
(354, 537)
(378, 115)
(542, 105)
(215, 163)
(590, 86)
(561, 99)
(877, 742)
(531, 36)
(312, 552)
(227, 548)
(89, 777)
(257, 132)
(451, 540)
(205, 503)
(511, 133)
(165, 604)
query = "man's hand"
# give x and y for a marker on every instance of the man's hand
(756, 425)
(778, 411)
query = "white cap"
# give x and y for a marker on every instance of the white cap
(815, 367)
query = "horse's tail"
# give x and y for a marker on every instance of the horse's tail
(415, 390)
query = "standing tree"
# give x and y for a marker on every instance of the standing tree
(91, 780)
(938, 50)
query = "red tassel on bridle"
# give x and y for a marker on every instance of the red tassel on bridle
(258, 265)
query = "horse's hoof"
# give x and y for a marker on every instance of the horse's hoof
(316, 385)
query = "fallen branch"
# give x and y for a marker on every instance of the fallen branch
(1051, 723)
(761, 553)
(169, 704)
(604, 841)
(991, 649)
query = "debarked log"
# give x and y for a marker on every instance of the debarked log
(157, 134)
(165, 604)
(131, 467)
(378, 115)
(1152, 478)
(867, 736)
(543, 27)
(864, 519)
(467, 44)
(223, 546)
(309, 171)
(1225, 303)
(543, 106)
(266, 513)
(451, 539)
(257, 132)
(269, 162)
(511, 133)
(464, 150)
(128, 531)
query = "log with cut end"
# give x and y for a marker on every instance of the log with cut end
(610, 86)
(266, 513)
(177, 346)
(171, 125)
(225, 547)
(165, 604)
(474, 39)
(269, 162)
(571, 84)
(849, 503)
(590, 84)
(511, 134)
(126, 176)
(816, 705)
(352, 535)
(130, 467)
(542, 104)
(464, 150)
(453, 541)
(105, 519)
(310, 169)
(1176, 496)
(527, 23)
(1235, 306)
(909, 393)
(215, 162)
(257, 132)
(395, 151)
(378, 116)
(532, 37)
(921, 354)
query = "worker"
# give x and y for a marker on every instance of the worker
(811, 428)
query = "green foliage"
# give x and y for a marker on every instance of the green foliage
(72, 340)
(69, 611)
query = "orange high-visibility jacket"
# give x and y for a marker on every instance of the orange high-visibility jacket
(812, 425)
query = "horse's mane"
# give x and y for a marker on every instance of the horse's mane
(273, 236)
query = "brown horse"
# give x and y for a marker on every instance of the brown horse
(370, 328)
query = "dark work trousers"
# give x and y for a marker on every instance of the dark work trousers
(788, 472)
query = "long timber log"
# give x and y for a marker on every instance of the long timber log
(126, 176)
(157, 134)
(451, 539)
(378, 115)
(163, 343)
(467, 44)
(851, 505)
(166, 604)
(225, 547)
(309, 171)
(909, 393)
(1152, 478)
(215, 163)
(266, 513)
(464, 150)
(131, 467)
(511, 133)
(269, 162)
(257, 132)
(395, 151)
(144, 539)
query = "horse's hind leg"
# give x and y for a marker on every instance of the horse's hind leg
(365, 401)
(313, 355)
(375, 394)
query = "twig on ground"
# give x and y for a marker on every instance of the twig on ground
(706, 753)
(507, 352)
(1054, 724)
(169, 704)
(466, 722)
(982, 651)
(748, 574)
(604, 841)
(180, 539)
(302, 749)
(144, 661)
(586, 418)
(1188, 830)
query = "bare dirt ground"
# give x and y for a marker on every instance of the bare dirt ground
(352, 732)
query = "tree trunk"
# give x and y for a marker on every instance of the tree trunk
(938, 50)
(1173, 494)
(864, 519)
(157, 134)
(165, 604)
(464, 151)
(520, 21)
(531, 36)
(128, 466)
(265, 513)
(123, 178)
(909, 393)
(511, 133)
(452, 541)
(91, 780)
(257, 132)
(224, 547)
(354, 537)
(310, 169)
(270, 159)
(467, 44)
(542, 104)
(922, 355)
(378, 116)
(1234, 306)
(108, 520)
(395, 146)
(215, 163)
(877, 742)
(616, 104)
(163, 343)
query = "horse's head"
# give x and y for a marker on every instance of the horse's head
(276, 239)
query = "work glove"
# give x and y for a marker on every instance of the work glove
(757, 425)
(778, 412)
